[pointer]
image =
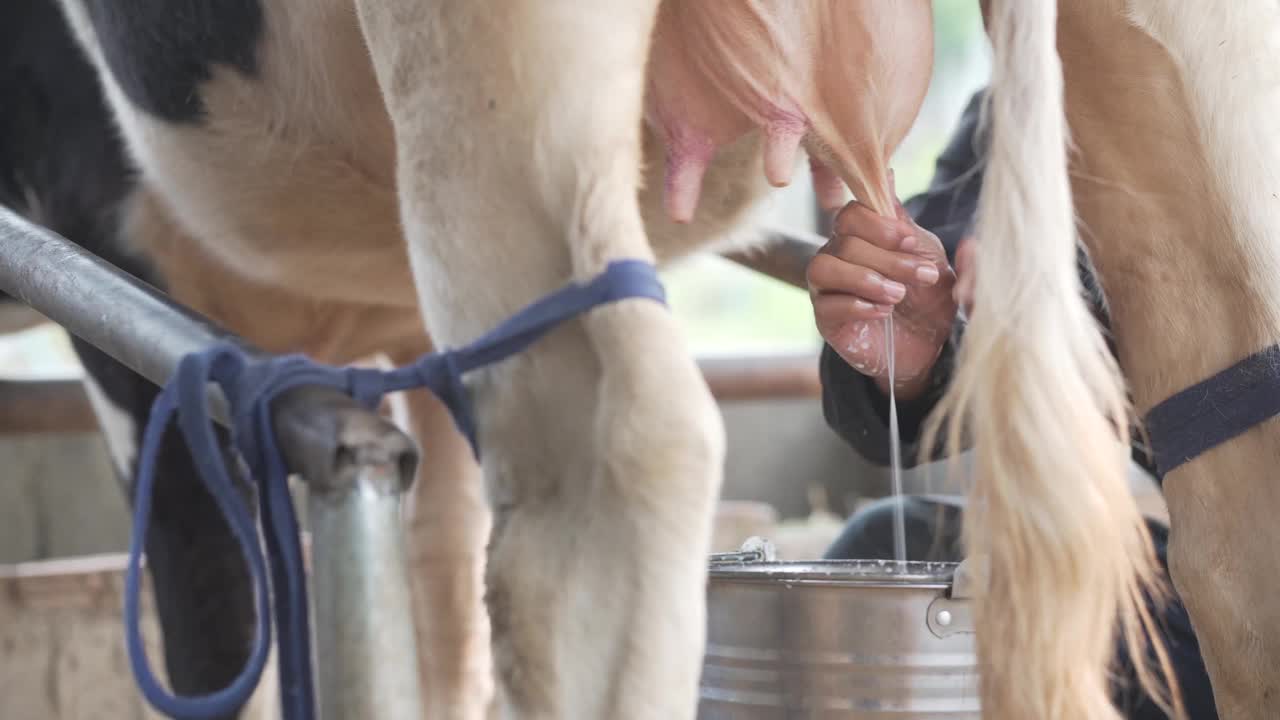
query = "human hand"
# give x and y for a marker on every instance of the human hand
(874, 266)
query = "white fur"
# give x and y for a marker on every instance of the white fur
(1041, 398)
(1227, 59)
(603, 512)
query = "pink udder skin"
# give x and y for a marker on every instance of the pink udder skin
(842, 78)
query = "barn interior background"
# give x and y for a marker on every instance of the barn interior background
(61, 508)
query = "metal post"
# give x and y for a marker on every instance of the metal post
(357, 465)
(365, 645)
(361, 585)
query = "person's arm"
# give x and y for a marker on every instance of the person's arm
(855, 408)
(947, 208)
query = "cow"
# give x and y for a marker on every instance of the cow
(396, 175)
(1162, 113)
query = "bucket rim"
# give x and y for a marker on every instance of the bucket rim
(864, 573)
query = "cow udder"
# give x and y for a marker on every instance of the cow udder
(842, 78)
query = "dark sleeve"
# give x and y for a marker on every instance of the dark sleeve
(851, 403)
(948, 207)
(858, 411)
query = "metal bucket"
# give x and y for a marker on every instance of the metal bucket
(862, 639)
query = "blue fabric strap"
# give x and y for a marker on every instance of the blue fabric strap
(250, 385)
(1209, 413)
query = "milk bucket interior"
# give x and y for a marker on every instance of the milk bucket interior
(837, 639)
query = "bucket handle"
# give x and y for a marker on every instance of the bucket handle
(755, 549)
(951, 613)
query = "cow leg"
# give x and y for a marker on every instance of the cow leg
(200, 585)
(518, 140)
(448, 526)
(1184, 241)
(449, 519)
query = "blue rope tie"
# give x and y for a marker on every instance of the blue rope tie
(250, 386)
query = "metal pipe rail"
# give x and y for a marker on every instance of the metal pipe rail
(357, 466)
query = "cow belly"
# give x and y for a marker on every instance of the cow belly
(285, 168)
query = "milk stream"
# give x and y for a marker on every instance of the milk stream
(895, 452)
